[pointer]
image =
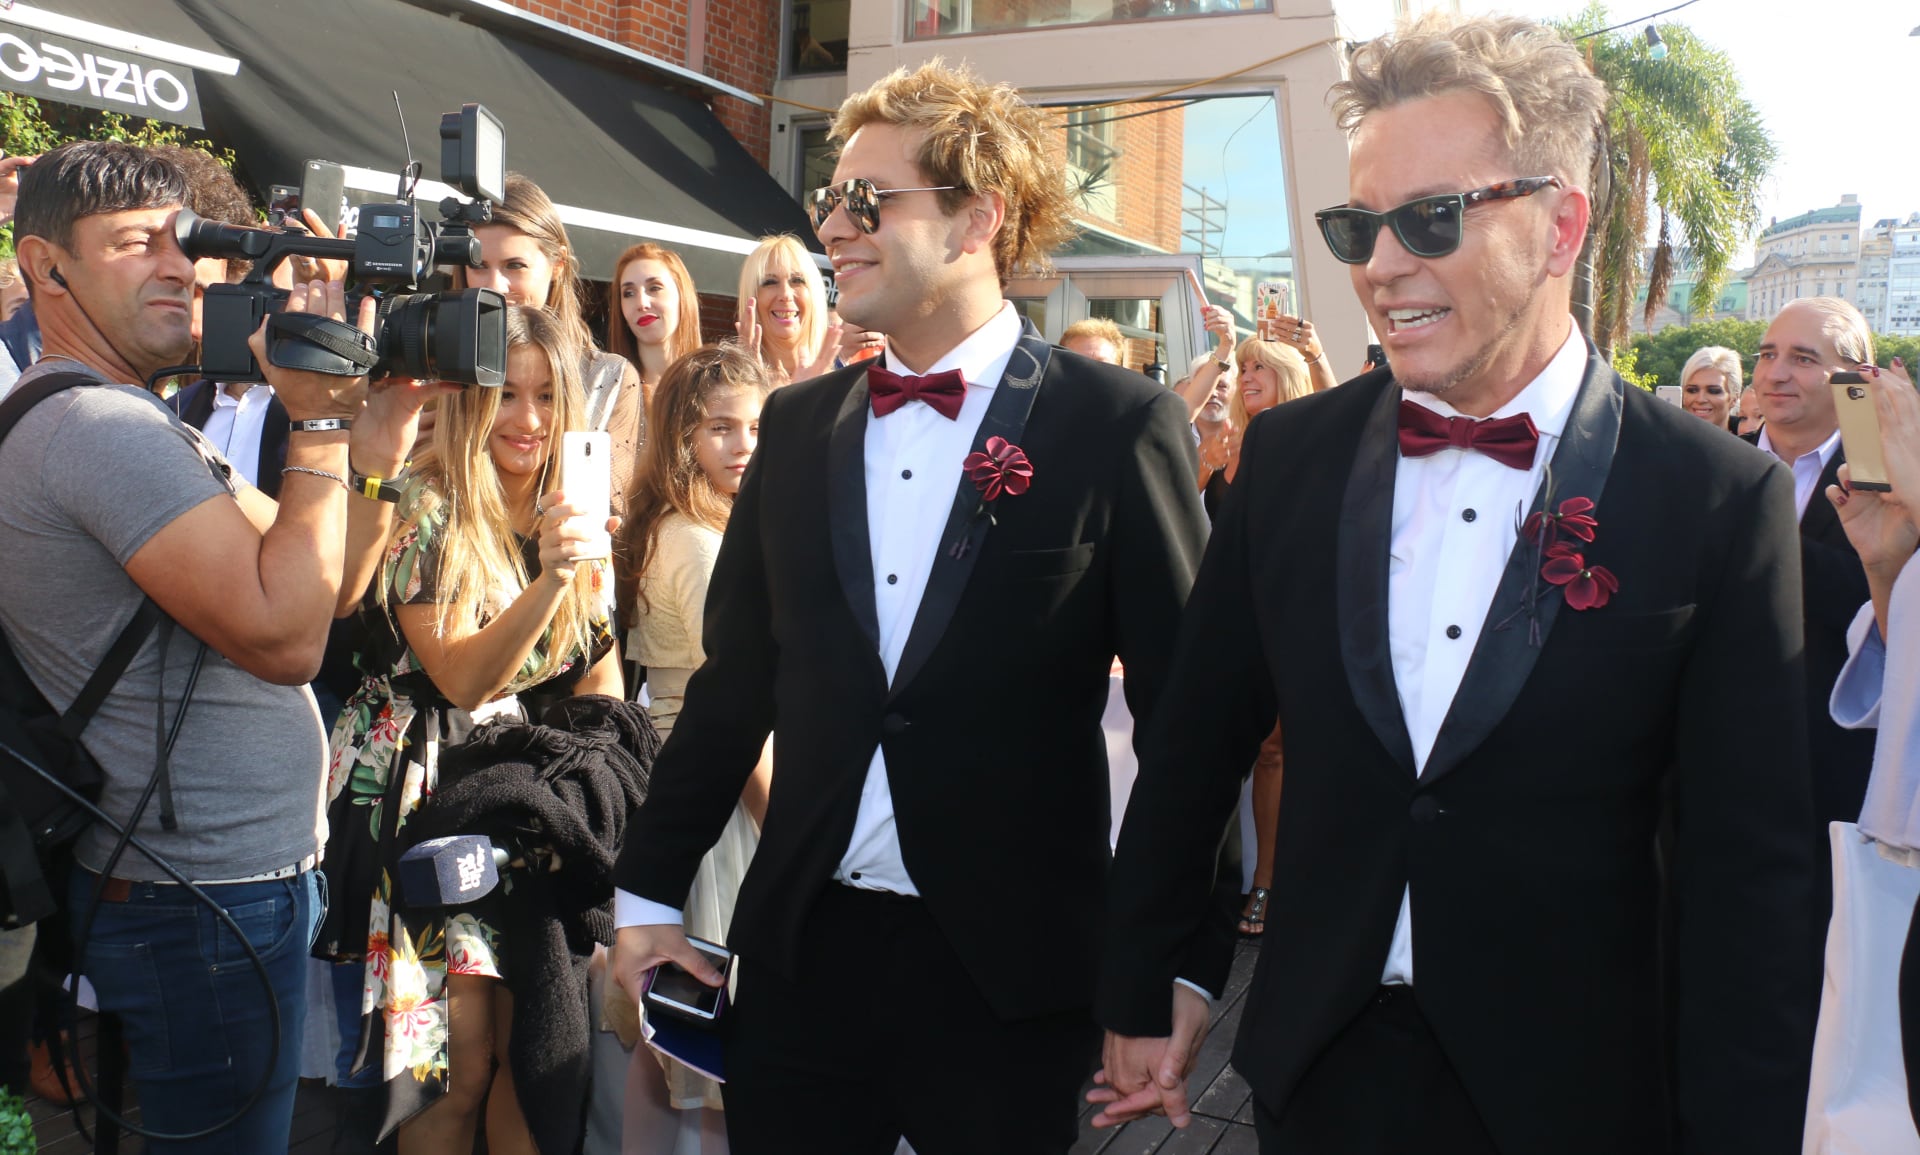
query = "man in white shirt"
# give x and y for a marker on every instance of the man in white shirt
(922, 588)
(1502, 607)
(1805, 345)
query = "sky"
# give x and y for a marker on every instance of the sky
(1833, 82)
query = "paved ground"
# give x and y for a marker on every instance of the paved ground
(1222, 1124)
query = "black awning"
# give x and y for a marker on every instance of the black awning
(624, 158)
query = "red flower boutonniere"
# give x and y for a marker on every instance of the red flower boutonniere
(1562, 562)
(1003, 469)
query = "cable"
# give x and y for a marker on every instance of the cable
(1635, 20)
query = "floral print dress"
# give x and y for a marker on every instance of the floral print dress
(383, 764)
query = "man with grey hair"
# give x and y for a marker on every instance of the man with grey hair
(1807, 342)
(1502, 657)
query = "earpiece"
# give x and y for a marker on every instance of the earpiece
(59, 280)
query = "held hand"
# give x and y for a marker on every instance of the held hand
(1298, 332)
(1219, 322)
(564, 540)
(1882, 532)
(638, 949)
(747, 326)
(315, 268)
(315, 395)
(385, 433)
(823, 360)
(1148, 1076)
(1898, 406)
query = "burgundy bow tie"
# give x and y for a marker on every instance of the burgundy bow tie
(944, 391)
(1509, 440)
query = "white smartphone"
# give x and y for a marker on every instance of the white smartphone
(1668, 393)
(586, 474)
(1860, 432)
(679, 994)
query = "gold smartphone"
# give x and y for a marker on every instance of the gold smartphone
(1860, 431)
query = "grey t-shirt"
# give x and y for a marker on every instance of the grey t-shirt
(86, 478)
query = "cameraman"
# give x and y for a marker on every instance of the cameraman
(104, 497)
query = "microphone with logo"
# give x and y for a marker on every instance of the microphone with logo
(450, 871)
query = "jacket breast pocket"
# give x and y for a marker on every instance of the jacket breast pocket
(1598, 630)
(1032, 564)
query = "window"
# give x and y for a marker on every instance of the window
(813, 158)
(927, 19)
(1092, 159)
(817, 36)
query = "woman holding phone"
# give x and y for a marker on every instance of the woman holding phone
(706, 417)
(485, 607)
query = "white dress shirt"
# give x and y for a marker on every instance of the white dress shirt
(235, 426)
(913, 459)
(1455, 521)
(1807, 468)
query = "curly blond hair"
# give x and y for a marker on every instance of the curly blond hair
(1549, 103)
(978, 137)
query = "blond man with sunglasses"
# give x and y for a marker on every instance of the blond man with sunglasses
(1530, 893)
(929, 569)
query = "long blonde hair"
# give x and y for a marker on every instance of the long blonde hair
(670, 478)
(813, 330)
(458, 501)
(1292, 379)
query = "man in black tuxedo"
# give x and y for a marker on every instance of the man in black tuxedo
(930, 646)
(1806, 344)
(1475, 944)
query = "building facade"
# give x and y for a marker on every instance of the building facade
(1816, 254)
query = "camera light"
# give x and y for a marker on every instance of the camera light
(473, 152)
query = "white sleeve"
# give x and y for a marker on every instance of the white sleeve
(629, 909)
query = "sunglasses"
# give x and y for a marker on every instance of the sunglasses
(861, 199)
(1428, 227)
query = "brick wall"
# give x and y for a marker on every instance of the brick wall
(741, 47)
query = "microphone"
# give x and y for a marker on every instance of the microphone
(449, 871)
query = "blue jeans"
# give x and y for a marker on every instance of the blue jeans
(198, 1030)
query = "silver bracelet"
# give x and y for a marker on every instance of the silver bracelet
(316, 473)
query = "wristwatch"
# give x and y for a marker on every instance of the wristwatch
(1225, 366)
(377, 488)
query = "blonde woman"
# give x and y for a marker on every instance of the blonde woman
(1267, 373)
(1709, 385)
(484, 608)
(783, 311)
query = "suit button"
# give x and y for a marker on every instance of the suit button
(893, 724)
(1425, 808)
(1453, 632)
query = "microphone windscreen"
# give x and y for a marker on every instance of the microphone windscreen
(448, 871)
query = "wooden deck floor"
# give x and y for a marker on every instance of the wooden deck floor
(1222, 1122)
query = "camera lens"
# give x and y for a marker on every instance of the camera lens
(460, 337)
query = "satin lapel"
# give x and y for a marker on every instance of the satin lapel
(1006, 417)
(1365, 538)
(1821, 522)
(847, 508)
(1506, 652)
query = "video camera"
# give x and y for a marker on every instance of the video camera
(455, 336)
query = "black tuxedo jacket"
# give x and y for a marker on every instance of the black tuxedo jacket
(1541, 909)
(194, 404)
(1835, 589)
(991, 728)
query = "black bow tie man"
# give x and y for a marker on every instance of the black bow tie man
(928, 634)
(1532, 893)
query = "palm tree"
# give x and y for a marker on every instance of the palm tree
(1683, 147)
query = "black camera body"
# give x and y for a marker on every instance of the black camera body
(457, 336)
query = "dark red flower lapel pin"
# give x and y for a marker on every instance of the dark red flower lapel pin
(1001, 470)
(1559, 536)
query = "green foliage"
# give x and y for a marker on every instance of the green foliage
(1685, 155)
(16, 1126)
(28, 127)
(1659, 358)
(1625, 361)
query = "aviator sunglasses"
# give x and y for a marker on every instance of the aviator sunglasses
(1427, 227)
(861, 198)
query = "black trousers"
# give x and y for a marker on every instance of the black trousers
(883, 1034)
(1910, 1012)
(1382, 1087)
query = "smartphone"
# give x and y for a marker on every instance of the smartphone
(1269, 305)
(283, 201)
(1668, 393)
(677, 994)
(586, 473)
(1859, 432)
(1376, 357)
(323, 188)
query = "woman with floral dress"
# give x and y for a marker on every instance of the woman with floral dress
(486, 607)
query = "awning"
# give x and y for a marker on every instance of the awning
(625, 159)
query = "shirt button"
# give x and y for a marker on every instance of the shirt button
(906, 475)
(893, 579)
(855, 876)
(1452, 631)
(1468, 515)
